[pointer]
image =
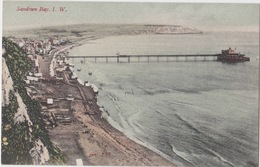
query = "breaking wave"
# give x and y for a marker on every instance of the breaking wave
(184, 156)
(220, 157)
(190, 126)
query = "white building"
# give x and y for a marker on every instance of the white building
(49, 101)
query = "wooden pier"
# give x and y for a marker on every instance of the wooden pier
(146, 58)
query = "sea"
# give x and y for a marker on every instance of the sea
(194, 113)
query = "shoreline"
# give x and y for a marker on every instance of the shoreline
(126, 151)
(103, 110)
(134, 139)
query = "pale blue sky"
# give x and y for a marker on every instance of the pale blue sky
(202, 16)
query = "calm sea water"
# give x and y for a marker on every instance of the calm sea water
(193, 113)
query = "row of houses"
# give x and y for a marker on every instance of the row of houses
(41, 46)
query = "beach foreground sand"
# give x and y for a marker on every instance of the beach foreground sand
(87, 136)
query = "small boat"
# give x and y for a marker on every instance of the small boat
(232, 56)
(86, 83)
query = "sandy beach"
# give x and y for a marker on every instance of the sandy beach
(83, 133)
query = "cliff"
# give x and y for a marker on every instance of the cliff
(24, 137)
(177, 30)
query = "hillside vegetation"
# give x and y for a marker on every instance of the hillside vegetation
(23, 129)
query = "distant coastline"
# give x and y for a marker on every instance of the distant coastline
(87, 30)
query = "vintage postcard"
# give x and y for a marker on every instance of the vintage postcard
(130, 83)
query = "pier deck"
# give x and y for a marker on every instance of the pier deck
(148, 58)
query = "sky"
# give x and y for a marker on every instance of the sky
(243, 17)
